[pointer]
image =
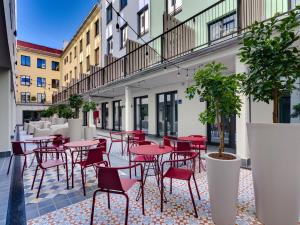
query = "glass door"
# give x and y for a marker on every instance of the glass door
(167, 113)
(285, 109)
(117, 116)
(229, 133)
(104, 117)
(141, 113)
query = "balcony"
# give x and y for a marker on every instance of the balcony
(222, 21)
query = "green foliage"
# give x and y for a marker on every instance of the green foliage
(52, 110)
(76, 101)
(65, 111)
(273, 58)
(44, 113)
(296, 112)
(220, 91)
(87, 106)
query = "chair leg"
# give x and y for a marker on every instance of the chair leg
(162, 195)
(171, 185)
(67, 175)
(43, 173)
(9, 164)
(57, 170)
(36, 169)
(192, 197)
(109, 147)
(93, 207)
(199, 161)
(83, 183)
(127, 207)
(108, 200)
(24, 165)
(143, 198)
(196, 187)
(108, 159)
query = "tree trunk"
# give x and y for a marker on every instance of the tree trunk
(221, 133)
(275, 107)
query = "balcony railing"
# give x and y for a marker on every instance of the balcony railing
(221, 21)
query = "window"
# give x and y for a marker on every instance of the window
(80, 68)
(25, 96)
(55, 66)
(222, 27)
(80, 46)
(143, 20)
(88, 63)
(123, 3)
(71, 75)
(66, 77)
(123, 34)
(41, 63)
(174, 7)
(70, 57)
(40, 82)
(87, 38)
(110, 45)
(66, 60)
(75, 52)
(109, 14)
(97, 56)
(25, 60)
(75, 72)
(55, 83)
(96, 28)
(25, 80)
(41, 97)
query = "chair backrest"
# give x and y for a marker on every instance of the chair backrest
(66, 140)
(94, 156)
(140, 136)
(102, 144)
(183, 146)
(167, 140)
(17, 147)
(109, 179)
(145, 142)
(57, 141)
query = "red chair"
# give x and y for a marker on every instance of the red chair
(144, 159)
(138, 136)
(109, 181)
(102, 145)
(18, 150)
(173, 172)
(115, 140)
(201, 145)
(45, 163)
(167, 140)
(93, 157)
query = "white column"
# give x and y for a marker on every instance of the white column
(241, 121)
(5, 102)
(128, 109)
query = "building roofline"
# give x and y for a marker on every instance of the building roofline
(41, 48)
(96, 6)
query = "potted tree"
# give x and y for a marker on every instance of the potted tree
(75, 124)
(89, 131)
(61, 110)
(221, 92)
(271, 52)
(52, 114)
(66, 112)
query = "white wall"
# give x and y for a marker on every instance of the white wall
(129, 13)
(6, 117)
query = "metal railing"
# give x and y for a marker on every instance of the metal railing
(223, 20)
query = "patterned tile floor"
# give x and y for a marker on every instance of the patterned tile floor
(57, 205)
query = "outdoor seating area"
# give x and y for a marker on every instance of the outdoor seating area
(123, 177)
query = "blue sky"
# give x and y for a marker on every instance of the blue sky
(50, 22)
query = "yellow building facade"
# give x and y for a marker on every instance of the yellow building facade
(83, 50)
(37, 77)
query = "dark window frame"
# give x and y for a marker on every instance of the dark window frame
(97, 28)
(88, 37)
(121, 35)
(88, 63)
(27, 97)
(43, 82)
(26, 83)
(108, 45)
(54, 65)
(27, 60)
(39, 63)
(42, 96)
(122, 6)
(109, 13)
(97, 56)
(80, 46)
(55, 83)
(142, 11)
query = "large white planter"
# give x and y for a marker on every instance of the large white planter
(60, 121)
(75, 126)
(89, 133)
(223, 184)
(275, 158)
